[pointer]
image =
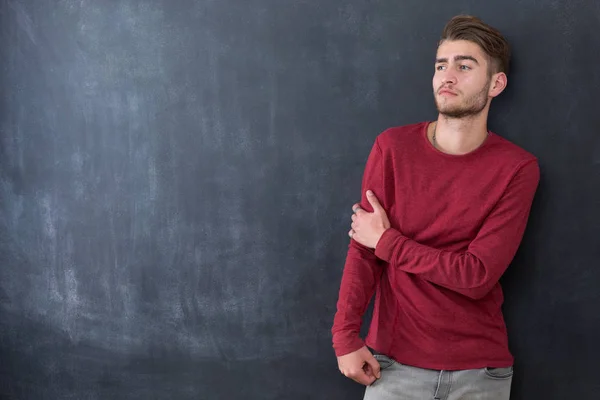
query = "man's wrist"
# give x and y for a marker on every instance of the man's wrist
(379, 238)
(390, 239)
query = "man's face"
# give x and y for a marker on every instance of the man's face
(461, 81)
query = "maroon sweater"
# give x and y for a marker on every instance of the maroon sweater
(456, 223)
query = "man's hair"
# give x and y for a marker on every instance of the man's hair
(473, 29)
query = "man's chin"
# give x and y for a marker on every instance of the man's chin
(457, 113)
(446, 105)
(451, 111)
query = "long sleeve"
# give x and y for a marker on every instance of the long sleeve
(362, 271)
(475, 271)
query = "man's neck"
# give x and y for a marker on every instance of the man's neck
(458, 136)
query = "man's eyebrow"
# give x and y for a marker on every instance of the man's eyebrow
(457, 58)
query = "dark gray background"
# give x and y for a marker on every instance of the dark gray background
(176, 180)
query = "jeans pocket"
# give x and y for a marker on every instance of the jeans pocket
(384, 361)
(499, 373)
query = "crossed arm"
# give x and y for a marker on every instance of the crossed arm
(473, 272)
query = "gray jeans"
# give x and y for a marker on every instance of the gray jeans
(403, 382)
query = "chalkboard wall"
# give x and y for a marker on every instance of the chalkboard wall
(176, 180)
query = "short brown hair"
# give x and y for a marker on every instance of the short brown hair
(473, 29)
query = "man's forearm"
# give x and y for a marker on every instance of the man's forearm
(361, 273)
(461, 272)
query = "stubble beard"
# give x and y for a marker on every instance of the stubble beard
(470, 107)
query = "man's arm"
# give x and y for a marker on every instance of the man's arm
(362, 271)
(474, 272)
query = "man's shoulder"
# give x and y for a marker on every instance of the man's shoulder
(509, 150)
(401, 133)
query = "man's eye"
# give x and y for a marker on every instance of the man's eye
(465, 67)
(439, 67)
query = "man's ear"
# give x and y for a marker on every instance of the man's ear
(499, 82)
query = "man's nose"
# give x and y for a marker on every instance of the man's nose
(449, 78)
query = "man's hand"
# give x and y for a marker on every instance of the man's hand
(360, 365)
(367, 227)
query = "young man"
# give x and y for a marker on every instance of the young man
(447, 211)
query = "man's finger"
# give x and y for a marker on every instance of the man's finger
(367, 380)
(373, 201)
(369, 370)
(374, 366)
(361, 377)
(356, 207)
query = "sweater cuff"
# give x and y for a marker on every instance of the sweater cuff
(390, 240)
(346, 342)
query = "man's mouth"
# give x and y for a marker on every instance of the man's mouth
(447, 92)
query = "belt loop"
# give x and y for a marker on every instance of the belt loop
(435, 396)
